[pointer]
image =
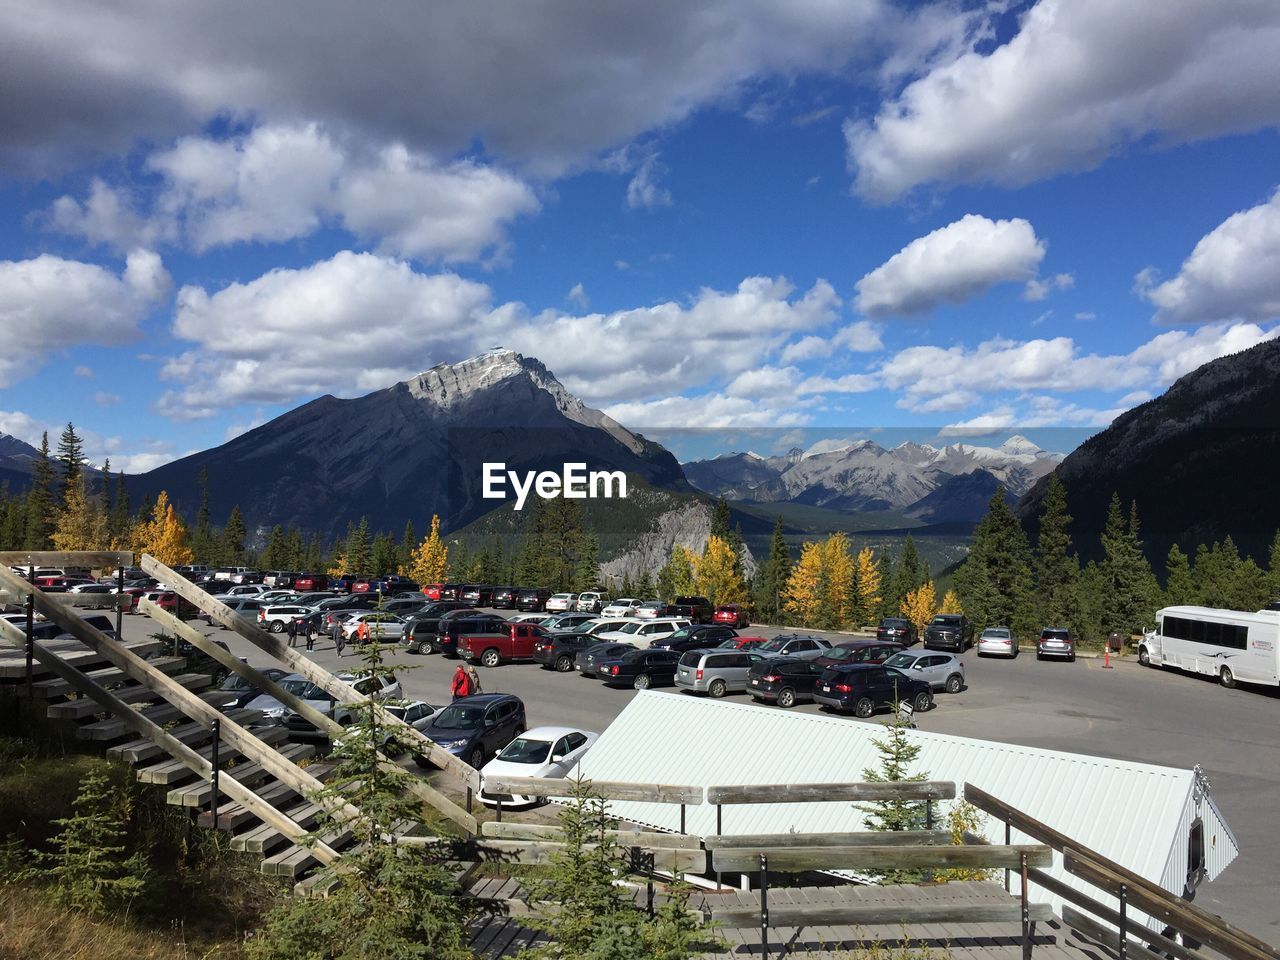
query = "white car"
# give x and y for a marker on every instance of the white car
(997, 642)
(625, 607)
(561, 601)
(276, 617)
(541, 752)
(643, 633)
(277, 596)
(651, 609)
(385, 687)
(527, 618)
(246, 590)
(383, 627)
(590, 602)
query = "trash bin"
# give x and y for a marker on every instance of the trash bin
(1115, 642)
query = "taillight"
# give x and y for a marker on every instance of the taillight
(844, 688)
(615, 670)
(699, 675)
(262, 614)
(772, 678)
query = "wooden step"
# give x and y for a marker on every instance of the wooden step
(107, 677)
(320, 883)
(294, 861)
(114, 728)
(143, 749)
(233, 816)
(248, 774)
(175, 771)
(13, 661)
(264, 838)
(87, 707)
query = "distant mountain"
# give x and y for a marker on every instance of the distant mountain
(862, 475)
(409, 451)
(1201, 461)
(17, 459)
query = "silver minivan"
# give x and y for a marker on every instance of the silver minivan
(715, 672)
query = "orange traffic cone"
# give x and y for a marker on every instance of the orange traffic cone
(1106, 656)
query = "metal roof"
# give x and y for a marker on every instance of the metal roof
(1132, 813)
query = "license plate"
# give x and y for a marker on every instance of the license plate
(755, 683)
(825, 688)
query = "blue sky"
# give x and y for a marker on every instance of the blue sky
(766, 222)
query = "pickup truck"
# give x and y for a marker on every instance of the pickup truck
(694, 609)
(513, 644)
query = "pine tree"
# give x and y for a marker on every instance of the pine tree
(233, 535)
(408, 543)
(431, 558)
(644, 586)
(720, 520)
(587, 574)
(866, 606)
(273, 555)
(897, 754)
(294, 553)
(359, 550)
(772, 578)
(1129, 589)
(802, 596)
(121, 521)
(675, 578)
(1273, 568)
(995, 581)
(81, 524)
(13, 522)
(907, 575)
(40, 506)
(716, 574)
(1180, 587)
(1057, 568)
(71, 460)
(384, 556)
(920, 605)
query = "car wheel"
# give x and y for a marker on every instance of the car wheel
(564, 664)
(1071, 659)
(276, 627)
(864, 707)
(923, 701)
(786, 698)
(1039, 655)
(476, 758)
(641, 682)
(1228, 678)
(955, 683)
(1144, 657)
(717, 689)
(490, 658)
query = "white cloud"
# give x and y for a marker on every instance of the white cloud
(849, 383)
(108, 217)
(49, 304)
(762, 382)
(950, 265)
(577, 295)
(708, 411)
(860, 337)
(85, 373)
(806, 348)
(1001, 418)
(1233, 272)
(644, 191)
(1080, 80)
(1039, 289)
(1086, 316)
(104, 399)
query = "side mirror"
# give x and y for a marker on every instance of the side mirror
(557, 757)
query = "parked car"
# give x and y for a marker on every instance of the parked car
(277, 596)
(311, 582)
(559, 651)
(696, 636)
(404, 606)
(948, 631)
(743, 643)
(863, 688)
(645, 633)
(383, 627)
(533, 600)
(589, 658)
(732, 615)
(696, 609)
(183, 609)
(276, 618)
(651, 610)
(1056, 642)
(784, 681)
(942, 671)
(475, 728)
(997, 642)
(510, 643)
(897, 630)
(415, 713)
(477, 594)
(383, 687)
(859, 651)
(566, 620)
(592, 601)
(561, 602)
(624, 607)
(715, 672)
(197, 661)
(640, 669)
(453, 629)
(243, 689)
(549, 752)
(504, 598)
(806, 646)
(528, 618)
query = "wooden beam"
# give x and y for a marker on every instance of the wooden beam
(541, 852)
(321, 721)
(508, 830)
(278, 648)
(1162, 944)
(175, 748)
(869, 914)
(1061, 842)
(748, 841)
(1214, 932)
(873, 858)
(93, 559)
(98, 601)
(831, 792)
(608, 789)
(1106, 936)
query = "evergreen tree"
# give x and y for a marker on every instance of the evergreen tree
(587, 574)
(995, 581)
(907, 575)
(384, 557)
(1180, 587)
(203, 543)
(120, 520)
(273, 555)
(771, 579)
(627, 587)
(1057, 568)
(720, 520)
(1129, 588)
(644, 586)
(233, 535)
(897, 754)
(408, 543)
(293, 552)
(359, 550)
(40, 506)
(71, 460)
(1273, 568)
(13, 522)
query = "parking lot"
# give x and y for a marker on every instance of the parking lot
(1126, 712)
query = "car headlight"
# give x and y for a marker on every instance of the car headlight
(452, 744)
(274, 713)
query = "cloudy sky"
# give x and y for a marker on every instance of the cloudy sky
(732, 214)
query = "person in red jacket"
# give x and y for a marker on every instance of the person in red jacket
(461, 683)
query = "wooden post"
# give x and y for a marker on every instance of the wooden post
(215, 761)
(1124, 921)
(719, 831)
(1008, 840)
(499, 808)
(1026, 914)
(682, 818)
(764, 906)
(120, 601)
(650, 859)
(31, 630)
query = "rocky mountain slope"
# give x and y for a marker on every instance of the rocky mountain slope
(863, 475)
(1200, 461)
(409, 451)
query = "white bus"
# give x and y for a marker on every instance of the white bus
(1233, 646)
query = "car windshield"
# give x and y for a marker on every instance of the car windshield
(944, 621)
(459, 716)
(300, 687)
(630, 627)
(235, 682)
(840, 653)
(894, 622)
(682, 633)
(903, 660)
(583, 627)
(998, 633)
(524, 750)
(775, 645)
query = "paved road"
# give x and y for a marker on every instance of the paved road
(1127, 713)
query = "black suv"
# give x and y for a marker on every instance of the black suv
(784, 680)
(533, 600)
(948, 631)
(476, 728)
(504, 598)
(446, 640)
(897, 630)
(640, 669)
(477, 594)
(559, 651)
(862, 688)
(695, 637)
(697, 609)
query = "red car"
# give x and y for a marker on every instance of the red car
(731, 614)
(311, 582)
(860, 651)
(744, 643)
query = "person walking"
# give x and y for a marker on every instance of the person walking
(362, 632)
(292, 629)
(309, 630)
(339, 638)
(473, 680)
(461, 683)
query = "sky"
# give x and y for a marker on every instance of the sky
(732, 219)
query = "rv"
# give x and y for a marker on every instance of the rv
(1233, 646)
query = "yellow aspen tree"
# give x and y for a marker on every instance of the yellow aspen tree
(869, 596)
(81, 523)
(950, 603)
(429, 560)
(920, 605)
(170, 546)
(802, 596)
(716, 575)
(147, 533)
(837, 581)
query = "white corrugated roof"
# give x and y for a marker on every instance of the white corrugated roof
(1128, 812)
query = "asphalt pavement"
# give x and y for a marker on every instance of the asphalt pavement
(1126, 712)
